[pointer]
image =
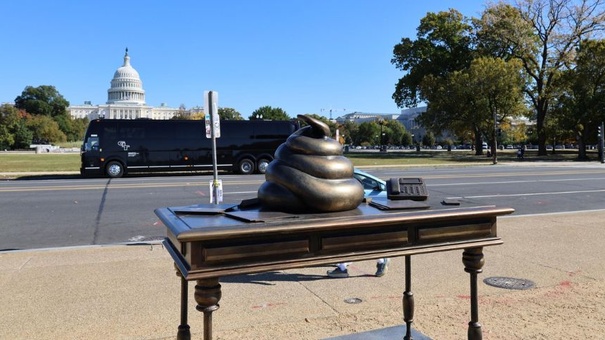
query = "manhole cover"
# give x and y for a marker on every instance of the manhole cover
(509, 283)
(353, 300)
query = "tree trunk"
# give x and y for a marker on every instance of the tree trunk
(478, 143)
(540, 116)
(582, 150)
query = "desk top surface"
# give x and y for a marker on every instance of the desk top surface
(204, 221)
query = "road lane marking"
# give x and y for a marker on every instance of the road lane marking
(530, 194)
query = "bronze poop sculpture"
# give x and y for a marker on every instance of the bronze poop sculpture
(310, 174)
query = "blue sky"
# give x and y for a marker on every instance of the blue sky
(304, 56)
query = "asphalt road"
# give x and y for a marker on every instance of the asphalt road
(63, 211)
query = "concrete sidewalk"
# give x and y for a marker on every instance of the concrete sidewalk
(132, 292)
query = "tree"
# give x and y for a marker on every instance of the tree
(14, 133)
(543, 34)
(7, 139)
(23, 135)
(45, 130)
(497, 85)
(351, 132)
(368, 133)
(474, 99)
(394, 132)
(453, 107)
(428, 139)
(406, 139)
(227, 113)
(42, 100)
(269, 113)
(74, 129)
(579, 107)
(444, 44)
(46, 101)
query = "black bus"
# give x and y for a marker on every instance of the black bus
(114, 147)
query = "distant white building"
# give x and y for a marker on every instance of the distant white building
(125, 99)
(407, 118)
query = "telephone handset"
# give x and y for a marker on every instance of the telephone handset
(407, 189)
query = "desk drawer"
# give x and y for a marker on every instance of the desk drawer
(457, 233)
(249, 252)
(364, 242)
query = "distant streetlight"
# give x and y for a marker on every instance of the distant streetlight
(494, 156)
(258, 116)
(381, 122)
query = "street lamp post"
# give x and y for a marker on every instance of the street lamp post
(381, 123)
(495, 157)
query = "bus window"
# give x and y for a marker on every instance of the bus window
(92, 143)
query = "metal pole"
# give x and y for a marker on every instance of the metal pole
(495, 158)
(214, 161)
(601, 145)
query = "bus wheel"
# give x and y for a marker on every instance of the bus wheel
(262, 165)
(246, 166)
(114, 169)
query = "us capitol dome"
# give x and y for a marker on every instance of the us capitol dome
(126, 100)
(126, 85)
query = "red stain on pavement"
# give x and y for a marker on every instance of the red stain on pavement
(565, 284)
(560, 289)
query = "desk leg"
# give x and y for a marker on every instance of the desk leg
(207, 295)
(473, 262)
(408, 299)
(184, 333)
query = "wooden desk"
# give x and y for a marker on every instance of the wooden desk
(211, 241)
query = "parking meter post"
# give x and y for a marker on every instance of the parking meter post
(211, 106)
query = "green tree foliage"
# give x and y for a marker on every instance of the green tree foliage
(579, 107)
(74, 129)
(368, 134)
(14, 133)
(444, 44)
(497, 86)
(474, 99)
(227, 113)
(7, 139)
(395, 132)
(544, 35)
(350, 131)
(407, 139)
(46, 101)
(45, 130)
(428, 139)
(42, 100)
(268, 112)
(23, 136)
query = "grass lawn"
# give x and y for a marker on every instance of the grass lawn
(61, 162)
(31, 162)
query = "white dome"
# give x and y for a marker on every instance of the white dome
(126, 85)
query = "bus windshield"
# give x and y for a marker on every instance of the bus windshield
(92, 143)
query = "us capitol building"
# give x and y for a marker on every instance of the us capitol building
(126, 100)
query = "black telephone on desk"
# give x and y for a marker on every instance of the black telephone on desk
(407, 189)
